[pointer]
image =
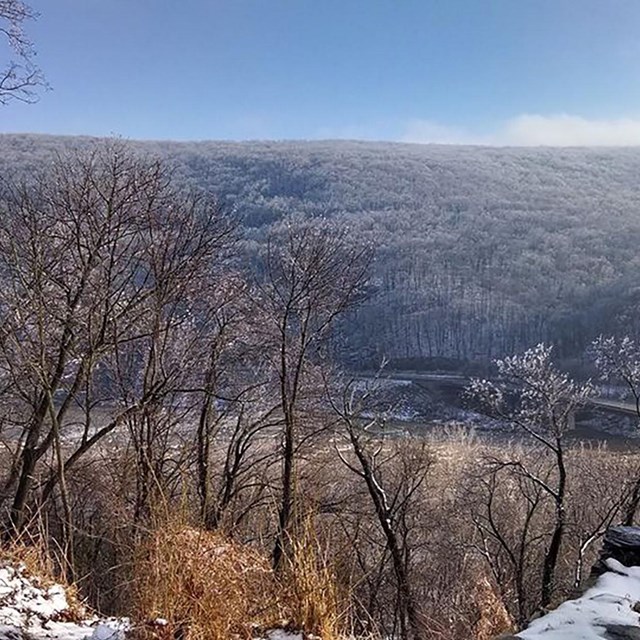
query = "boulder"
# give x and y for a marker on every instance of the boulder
(622, 544)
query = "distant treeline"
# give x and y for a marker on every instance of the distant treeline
(480, 251)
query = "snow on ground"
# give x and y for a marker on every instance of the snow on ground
(281, 634)
(31, 611)
(610, 609)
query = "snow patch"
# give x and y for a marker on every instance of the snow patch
(280, 634)
(30, 610)
(611, 602)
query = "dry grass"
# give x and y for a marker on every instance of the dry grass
(494, 619)
(212, 588)
(34, 556)
(315, 600)
(202, 582)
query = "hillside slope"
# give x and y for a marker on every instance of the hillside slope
(480, 251)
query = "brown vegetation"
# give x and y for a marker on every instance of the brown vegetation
(339, 577)
(201, 581)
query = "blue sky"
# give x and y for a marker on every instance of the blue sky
(473, 71)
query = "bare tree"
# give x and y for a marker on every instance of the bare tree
(313, 272)
(392, 495)
(21, 76)
(507, 532)
(99, 260)
(234, 401)
(188, 244)
(593, 511)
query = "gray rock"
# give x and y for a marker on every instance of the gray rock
(622, 544)
(623, 537)
(9, 632)
(622, 632)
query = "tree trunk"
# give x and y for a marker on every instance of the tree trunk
(286, 506)
(553, 552)
(410, 624)
(634, 502)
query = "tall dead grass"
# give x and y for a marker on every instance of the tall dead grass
(493, 617)
(217, 589)
(316, 600)
(201, 581)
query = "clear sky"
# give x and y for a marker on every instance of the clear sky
(477, 71)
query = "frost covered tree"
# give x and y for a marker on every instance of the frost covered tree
(541, 401)
(618, 361)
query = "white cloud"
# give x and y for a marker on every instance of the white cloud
(534, 130)
(565, 130)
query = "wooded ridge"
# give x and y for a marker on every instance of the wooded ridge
(480, 251)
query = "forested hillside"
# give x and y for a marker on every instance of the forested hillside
(479, 251)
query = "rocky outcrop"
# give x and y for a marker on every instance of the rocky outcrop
(621, 544)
